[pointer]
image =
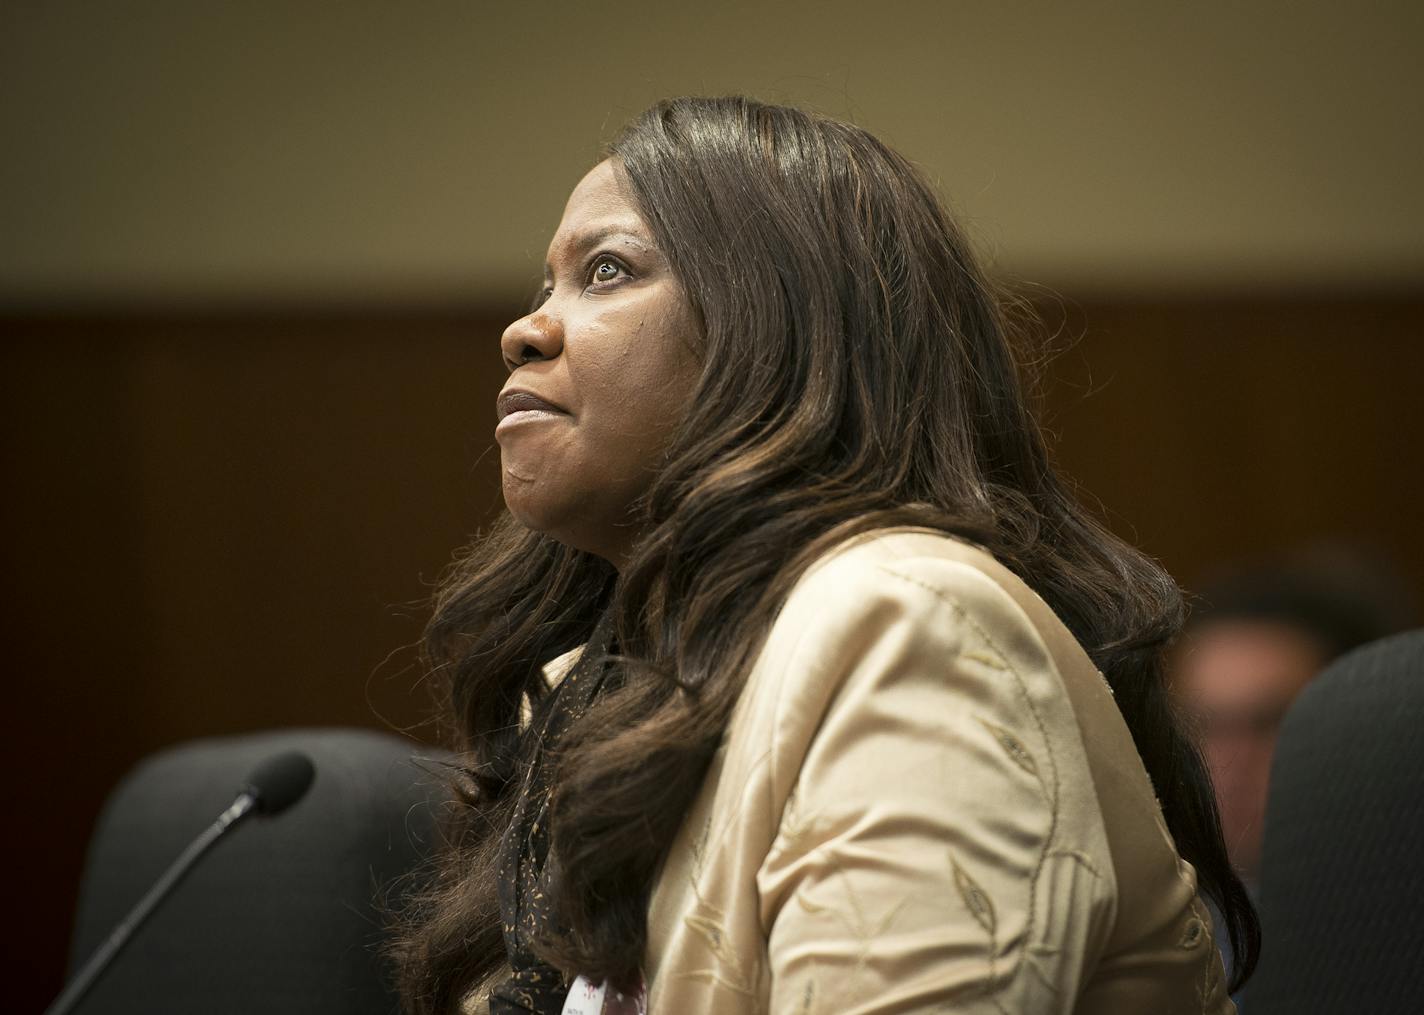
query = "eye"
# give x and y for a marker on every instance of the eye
(605, 269)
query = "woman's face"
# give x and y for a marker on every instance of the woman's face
(600, 375)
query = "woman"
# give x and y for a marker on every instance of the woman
(822, 727)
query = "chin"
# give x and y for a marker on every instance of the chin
(582, 516)
(531, 516)
(536, 511)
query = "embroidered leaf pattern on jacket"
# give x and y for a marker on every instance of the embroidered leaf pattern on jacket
(728, 971)
(976, 900)
(1013, 747)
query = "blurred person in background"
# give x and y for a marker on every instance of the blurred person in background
(1256, 636)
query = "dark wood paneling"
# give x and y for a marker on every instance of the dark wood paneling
(214, 526)
(217, 524)
(1212, 431)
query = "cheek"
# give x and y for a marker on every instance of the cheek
(637, 382)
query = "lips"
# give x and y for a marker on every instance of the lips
(515, 400)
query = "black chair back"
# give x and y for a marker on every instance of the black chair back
(282, 914)
(1342, 891)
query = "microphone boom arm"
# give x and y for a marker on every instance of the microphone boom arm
(75, 990)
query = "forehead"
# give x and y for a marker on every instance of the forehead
(599, 206)
(1236, 661)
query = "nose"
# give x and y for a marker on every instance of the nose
(535, 336)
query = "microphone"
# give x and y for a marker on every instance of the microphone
(278, 782)
(271, 788)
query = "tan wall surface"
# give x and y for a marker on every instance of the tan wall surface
(164, 148)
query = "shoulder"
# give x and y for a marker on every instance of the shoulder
(897, 624)
(924, 583)
(895, 547)
(921, 749)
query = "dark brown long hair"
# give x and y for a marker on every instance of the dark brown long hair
(857, 373)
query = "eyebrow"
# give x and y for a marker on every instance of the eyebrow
(581, 242)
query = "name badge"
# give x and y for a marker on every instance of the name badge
(585, 998)
(589, 998)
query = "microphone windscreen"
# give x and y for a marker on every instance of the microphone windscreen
(280, 781)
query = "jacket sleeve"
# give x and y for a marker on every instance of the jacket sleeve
(940, 848)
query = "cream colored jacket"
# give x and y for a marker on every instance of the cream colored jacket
(926, 801)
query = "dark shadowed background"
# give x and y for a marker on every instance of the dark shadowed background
(255, 260)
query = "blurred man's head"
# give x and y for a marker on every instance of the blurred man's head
(1254, 641)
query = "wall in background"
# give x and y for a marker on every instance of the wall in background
(215, 525)
(222, 524)
(1215, 431)
(165, 149)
